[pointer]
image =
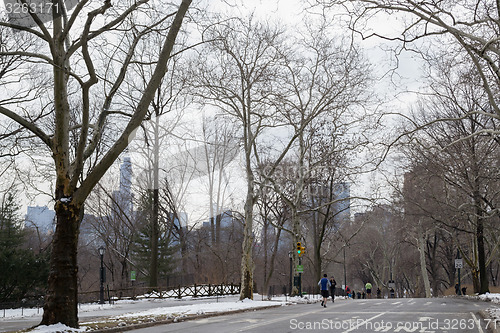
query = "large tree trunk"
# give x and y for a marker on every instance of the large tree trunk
(153, 268)
(423, 263)
(483, 275)
(247, 246)
(153, 265)
(61, 303)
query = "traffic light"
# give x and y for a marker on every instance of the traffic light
(300, 249)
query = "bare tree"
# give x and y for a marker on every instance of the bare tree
(220, 144)
(235, 76)
(155, 131)
(466, 30)
(76, 122)
(324, 95)
(465, 34)
(465, 161)
(115, 227)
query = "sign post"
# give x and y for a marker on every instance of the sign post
(459, 264)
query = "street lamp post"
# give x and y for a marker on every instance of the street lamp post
(290, 255)
(345, 275)
(458, 265)
(101, 276)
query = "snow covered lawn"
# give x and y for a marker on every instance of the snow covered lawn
(168, 311)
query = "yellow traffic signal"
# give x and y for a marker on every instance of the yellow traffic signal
(300, 249)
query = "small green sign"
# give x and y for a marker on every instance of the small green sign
(300, 269)
(133, 275)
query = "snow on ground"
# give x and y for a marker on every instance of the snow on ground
(201, 308)
(166, 309)
(94, 307)
(163, 313)
(493, 298)
(57, 328)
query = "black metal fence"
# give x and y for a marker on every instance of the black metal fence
(133, 293)
(196, 290)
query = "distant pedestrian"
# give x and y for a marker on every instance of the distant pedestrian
(324, 285)
(368, 287)
(457, 289)
(333, 284)
(379, 293)
(464, 291)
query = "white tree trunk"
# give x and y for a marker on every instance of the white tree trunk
(423, 263)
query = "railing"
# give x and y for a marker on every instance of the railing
(134, 293)
(159, 292)
(203, 290)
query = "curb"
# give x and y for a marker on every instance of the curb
(494, 326)
(179, 319)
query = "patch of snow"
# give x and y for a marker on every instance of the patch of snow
(203, 308)
(56, 329)
(493, 298)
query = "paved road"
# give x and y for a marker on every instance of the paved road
(386, 315)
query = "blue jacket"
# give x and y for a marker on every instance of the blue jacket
(324, 283)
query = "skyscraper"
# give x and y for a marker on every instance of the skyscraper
(123, 198)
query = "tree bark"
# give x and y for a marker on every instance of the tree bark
(61, 303)
(153, 269)
(247, 246)
(483, 275)
(423, 263)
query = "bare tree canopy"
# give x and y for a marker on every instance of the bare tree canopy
(465, 30)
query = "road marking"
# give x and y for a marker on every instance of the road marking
(272, 321)
(428, 303)
(478, 323)
(364, 322)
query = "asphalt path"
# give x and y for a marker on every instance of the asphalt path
(442, 315)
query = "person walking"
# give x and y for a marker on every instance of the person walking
(333, 284)
(324, 284)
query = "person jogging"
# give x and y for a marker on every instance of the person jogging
(324, 284)
(333, 285)
(368, 287)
